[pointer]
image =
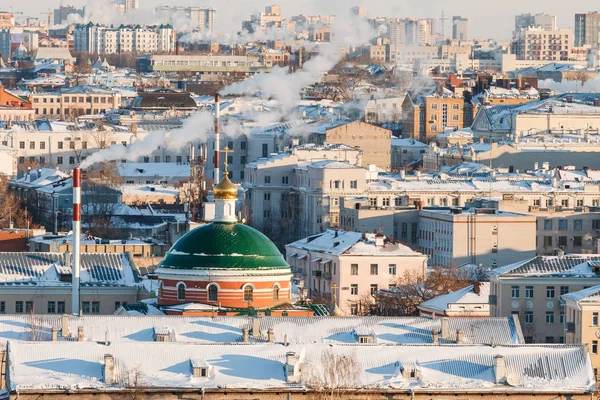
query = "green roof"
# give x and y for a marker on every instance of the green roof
(224, 246)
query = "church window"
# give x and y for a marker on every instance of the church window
(276, 293)
(181, 291)
(213, 293)
(248, 293)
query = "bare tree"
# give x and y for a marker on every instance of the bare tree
(132, 380)
(335, 374)
(36, 331)
(100, 202)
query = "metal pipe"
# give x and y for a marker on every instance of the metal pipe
(76, 239)
(217, 174)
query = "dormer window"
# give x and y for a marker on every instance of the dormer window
(410, 373)
(200, 368)
(365, 335)
(162, 334)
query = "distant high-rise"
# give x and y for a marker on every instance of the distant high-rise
(204, 19)
(587, 29)
(359, 11)
(61, 13)
(544, 21)
(460, 27)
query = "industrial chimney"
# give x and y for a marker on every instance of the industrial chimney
(217, 175)
(76, 238)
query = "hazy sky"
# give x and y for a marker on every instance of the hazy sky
(486, 19)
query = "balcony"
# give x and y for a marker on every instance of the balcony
(316, 274)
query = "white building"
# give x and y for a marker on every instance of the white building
(201, 18)
(471, 301)
(99, 39)
(350, 266)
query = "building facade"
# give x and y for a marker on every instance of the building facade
(99, 39)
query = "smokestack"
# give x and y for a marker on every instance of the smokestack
(217, 136)
(76, 238)
(178, 48)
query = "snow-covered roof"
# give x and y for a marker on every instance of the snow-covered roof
(591, 295)
(340, 243)
(76, 366)
(179, 170)
(296, 330)
(405, 142)
(465, 295)
(576, 265)
(45, 269)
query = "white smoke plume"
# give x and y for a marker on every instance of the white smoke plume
(576, 86)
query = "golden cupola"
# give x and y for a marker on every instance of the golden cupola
(225, 190)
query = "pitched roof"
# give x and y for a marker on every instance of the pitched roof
(465, 295)
(591, 295)
(576, 265)
(72, 366)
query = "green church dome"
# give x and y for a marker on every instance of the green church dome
(224, 246)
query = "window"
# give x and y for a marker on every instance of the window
(595, 319)
(118, 303)
(577, 240)
(529, 317)
(549, 317)
(267, 178)
(95, 307)
(514, 292)
(561, 317)
(72, 160)
(562, 240)
(547, 241)
(230, 145)
(181, 292)
(549, 339)
(267, 196)
(60, 145)
(248, 293)
(392, 269)
(21, 145)
(284, 180)
(213, 293)
(549, 292)
(594, 347)
(373, 289)
(434, 106)
(564, 290)
(578, 225)
(276, 293)
(85, 307)
(562, 224)
(29, 306)
(529, 292)
(59, 160)
(547, 224)
(266, 213)
(19, 307)
(2, 307)
(354, 289)
(354, 269)
(61, 309)
(265, 150)
(51, 307)
(374, 269)
(353, 184)
(353, 309)
(32, 145)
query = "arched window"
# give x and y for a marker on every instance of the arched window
(276, 293)
(160, 289)
(213, 293)
(248, 293)
(181, 291)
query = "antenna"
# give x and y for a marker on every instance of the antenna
(443, 20)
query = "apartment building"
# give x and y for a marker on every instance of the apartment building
(344, 268)
(201, 18)
(534, 43)
(429, 113)
(544, 21)
(99, 39)
(203, 64)
(373, 141)
(587, 28)
(581, 321)
(107, 282)
(74, 101)
(478, 236)
(532, 289)
(460, 27)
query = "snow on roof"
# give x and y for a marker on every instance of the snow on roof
(298, 330)
(591, 294)
(40, 177)
(465, 295)
(75, 366)
(148, 190)
(399, 142)
(338, 242)
(181, 170)
(331, 164)
(576, 265)
(44, 269)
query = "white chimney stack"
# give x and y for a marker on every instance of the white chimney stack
(217, 176)
(76, 239)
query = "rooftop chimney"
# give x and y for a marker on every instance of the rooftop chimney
(477, 287)
(255, 327)
(445, 328)
(245, 335)
(76, 238)
(54, 334)
(499, 369)
(109, 368)
(436, 335)
(80, 333)
(460, 336)
(271, 335)
(64, 330)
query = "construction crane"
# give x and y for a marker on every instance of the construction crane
(443, 20)
(27, 19)
(49, 14)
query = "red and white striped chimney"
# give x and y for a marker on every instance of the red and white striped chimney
(217, 175)
(75, 265)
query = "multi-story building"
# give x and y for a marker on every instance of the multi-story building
(406, 152)
(242, 66)
(99, 39)
(271, 17)
(532, 289)
(74, 102)
(487, 237)
(62, 13)
(460, 28)
(587, 29)
(344, 268)
(544, 21)
(534, 43)
(201, 18)
(582, 324)
(425, 115)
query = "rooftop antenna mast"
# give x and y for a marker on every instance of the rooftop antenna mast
(443, 20)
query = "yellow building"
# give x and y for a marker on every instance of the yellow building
(582, 310)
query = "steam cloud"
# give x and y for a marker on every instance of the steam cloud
(589, 86)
